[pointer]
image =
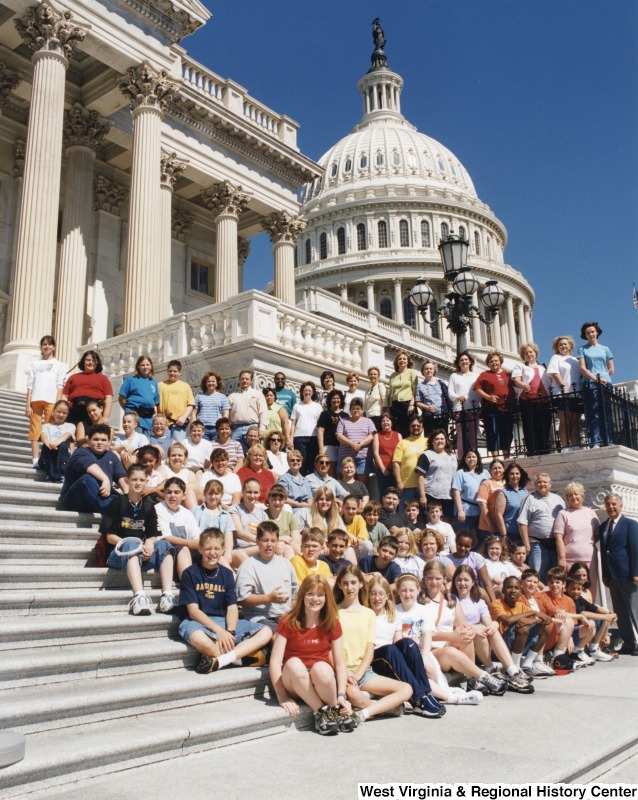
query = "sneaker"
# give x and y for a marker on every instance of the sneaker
(474, 685)
(583, 658)
(457, 697)
(538, 670)
(166, 604)
(358, 718)
(428, 706)
(206, 665)
(494, 685)
(346, 724)
(325, 724)
(599, 655)
(257, 659)
(140, 606)
(519, 683)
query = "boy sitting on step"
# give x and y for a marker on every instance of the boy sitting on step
(213, 626)
(133, 516)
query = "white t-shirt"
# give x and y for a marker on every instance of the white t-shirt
(306, 416)
(55, 432)
(46, 376)
(385, 630)
(198, 454)
(180, 523)
(448, 533)
(136, 440)
(230, 481)
(501, 569)
(415, 622)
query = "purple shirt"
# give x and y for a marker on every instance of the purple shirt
(356, 432)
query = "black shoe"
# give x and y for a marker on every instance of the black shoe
(206, 664)
(628, 651)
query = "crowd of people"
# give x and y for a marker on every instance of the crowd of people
(338, 535)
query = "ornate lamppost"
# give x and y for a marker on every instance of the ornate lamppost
(458, 307)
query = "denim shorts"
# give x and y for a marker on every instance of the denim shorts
(368, 676)
(160, 551)
(532, 638)
(245, 629)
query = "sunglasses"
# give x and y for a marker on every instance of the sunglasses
(272, 439)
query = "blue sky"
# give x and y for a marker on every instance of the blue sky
(537, 98)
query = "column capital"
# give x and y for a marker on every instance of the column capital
(109, 195)
(181, 224)
(19, 149)
(83, 128)
(44, 29)
(369, 281)
(226, 199)
(283, 227)
(171, 169)
(397, 281)
(8, 82)
(147, 88)
(243, 249)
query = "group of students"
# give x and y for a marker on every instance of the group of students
(370, 602)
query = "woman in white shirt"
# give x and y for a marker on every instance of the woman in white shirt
(303, 425)
(564, 372)
(465, 403)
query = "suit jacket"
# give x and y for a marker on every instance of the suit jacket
(620, 551)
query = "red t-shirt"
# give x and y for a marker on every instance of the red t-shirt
(497, 383)
(265, 477)
(310, 645)
(92, 384)
(387, 445)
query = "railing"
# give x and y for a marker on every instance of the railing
(595, 415)
(235, 98)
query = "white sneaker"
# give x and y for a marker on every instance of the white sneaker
(599, 655)
(140, 606)
(458, 697)
(166, 604)
(584, 658)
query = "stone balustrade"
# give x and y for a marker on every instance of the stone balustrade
(237, 100)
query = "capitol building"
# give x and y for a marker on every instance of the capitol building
(132, 179)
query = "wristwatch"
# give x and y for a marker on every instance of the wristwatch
(229, 631)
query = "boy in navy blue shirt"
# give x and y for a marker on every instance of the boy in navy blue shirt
(337, 544)
(599, 616)
(383, 563)
(212, 625)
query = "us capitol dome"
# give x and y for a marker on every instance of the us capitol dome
(387, 196)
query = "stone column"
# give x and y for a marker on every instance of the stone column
(170, 170)
(398, 301)
(52, 38)
(528, 324)
(284, 230)
(83, 133)
(522, 328)
(227, 202)
(148, 92)
(243, 249)
(509, 311)
(370, 295)
(343, 291)
(476, 323)
(496, 332)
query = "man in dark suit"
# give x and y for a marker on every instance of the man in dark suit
(619, 551)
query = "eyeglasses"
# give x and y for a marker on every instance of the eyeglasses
(323, 463)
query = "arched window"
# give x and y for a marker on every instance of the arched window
(462, 232)
(396, 158)
(341, 241)
(441, 165)
(385, 307)
(425, 233)
(296, 262)
(409, 312)
(379, 158)
(382, 232)
(333, 171)
(308, 251)
(361, 236)
(363, 163)
(488, 248)
(477, 243)
(362, 303)
(445, 231)
(404, 233)
(348, 166)
(323, 246)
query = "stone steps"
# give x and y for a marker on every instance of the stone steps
(45, 536)
(18, 575)
(93, 749)
(74, 662)
(56, 554)
(70, 602)
(47, 707)
(22, 514)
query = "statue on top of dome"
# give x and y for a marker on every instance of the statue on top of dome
(378, 58)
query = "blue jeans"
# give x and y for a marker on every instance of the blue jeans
(402, 661)
(542, 557)
(411, 493)
(597, 423)
(178, 432)
(239, 434)
(499, 428)
(84, 495)
(161, 549)
(245, 629)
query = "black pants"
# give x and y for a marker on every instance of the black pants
(53, 462)
(403, 661)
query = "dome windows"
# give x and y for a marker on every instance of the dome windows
(385, 307)
(462, 232)
(477, 243)
(333, 170)
(323, 246)
(382, 233)
(445, 231)
(380, 158)
(361, 236)
(348, 165)
(441, 165)
(308, 251)
(363, 161)
(409, 315)
(425, 233)
(396, 158)
(341, 241)
(404, 233)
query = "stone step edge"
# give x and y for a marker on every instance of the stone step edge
(65, 758)
(40, 708)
